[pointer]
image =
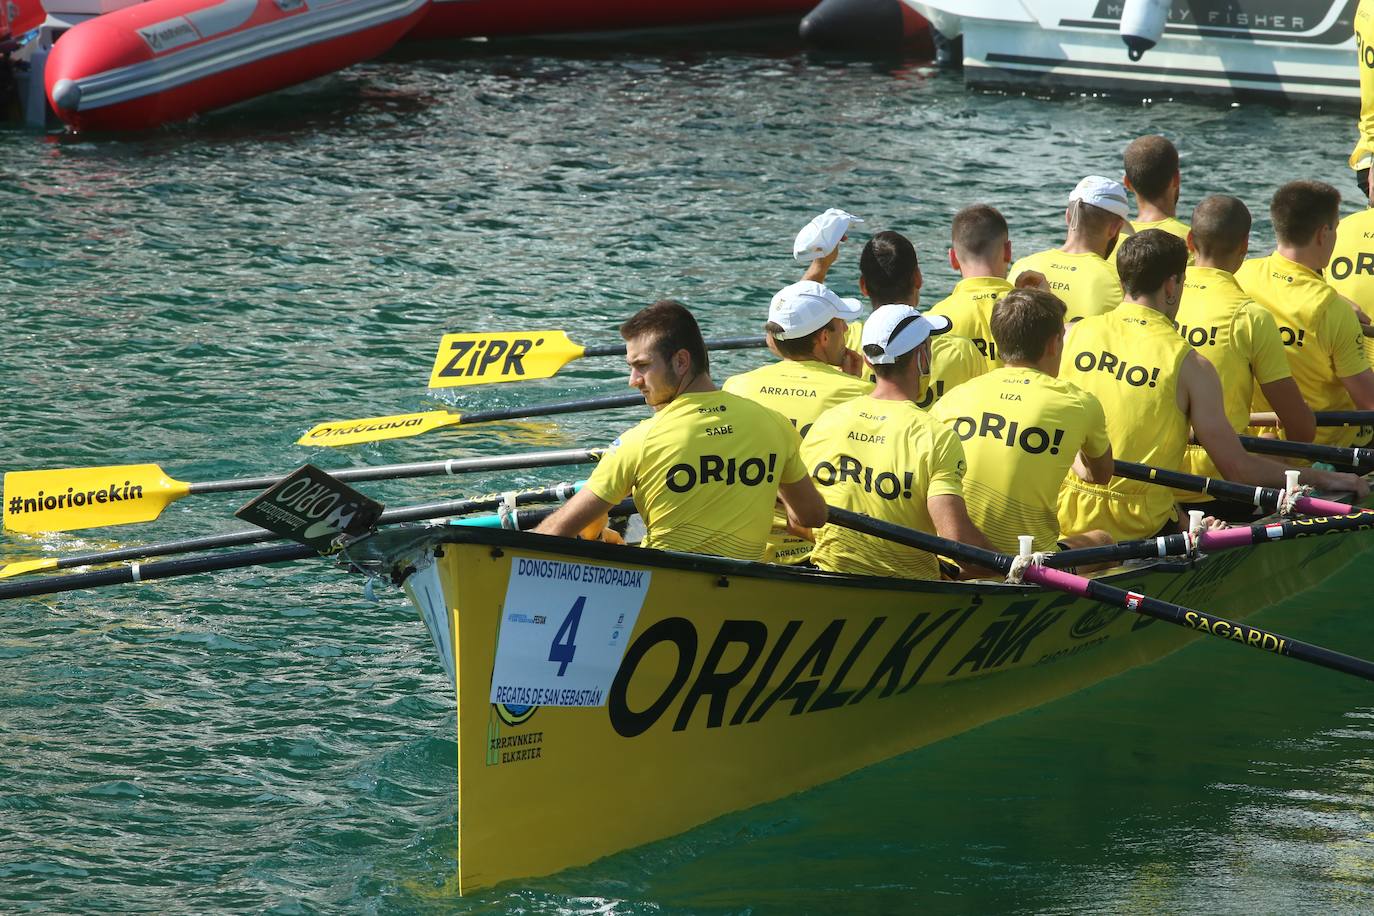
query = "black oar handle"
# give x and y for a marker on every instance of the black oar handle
(543, 410)
(419, 469)
(1344, 417)
(1332, 454)
(719, 343)
(1266, 498)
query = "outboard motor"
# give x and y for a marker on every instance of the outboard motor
(1142, 24)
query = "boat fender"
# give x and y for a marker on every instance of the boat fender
(1142, 24)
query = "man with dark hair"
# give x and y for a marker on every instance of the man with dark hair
(707, 467)
(883, 456)
(1153, 386)
(1321, 333)
(1079, 272)
(980, 250)
(1023, 428)
(1238, 337)
(806, 325)
(1152, 175)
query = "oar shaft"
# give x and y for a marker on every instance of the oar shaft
(719, 343)
(419, 469)
(1200, 621)
(579, 405)
(1324, 418)
(1263, 497)
(1332, 454)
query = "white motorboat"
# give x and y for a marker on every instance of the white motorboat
(1274, 50)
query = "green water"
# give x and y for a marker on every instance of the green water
(269, 740)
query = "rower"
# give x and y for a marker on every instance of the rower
(707, 467)
(884, 456)
(1079, 272)
(1363, 156)
(1351, 269)
(1320, 331)
(1237, 336)
(1153, 385)
(980, 250)
(889, 274)
(1153, 176)
(1023, 428)
(806, 327)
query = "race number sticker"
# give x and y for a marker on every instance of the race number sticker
(563, 632)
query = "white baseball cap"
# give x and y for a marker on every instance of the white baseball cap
(808, 306)
(820, 236)
(1106, 193)
(896, 330)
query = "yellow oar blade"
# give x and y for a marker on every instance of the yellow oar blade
(72, 498)
(506, 356)
(376, 429)
(26, 566)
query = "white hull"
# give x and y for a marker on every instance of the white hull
(1278, 50)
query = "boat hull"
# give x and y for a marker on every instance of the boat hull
(742, 683)
(168, 60)
(506, 18)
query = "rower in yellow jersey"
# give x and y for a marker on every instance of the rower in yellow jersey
(1153, 386)
(1351, 268)
(806, 326)
(980, 250)
(1363, 155)
(1023, 428)
(1078, 272)
(1237, 336)
(1321, 334)
(706, 468)
(887, 458)
(1153, 176)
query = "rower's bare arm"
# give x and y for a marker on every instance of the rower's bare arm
(1094, 470)
(950, 515)
(583, 509)
(805, 506)
(1360, 387)
(1292, 409)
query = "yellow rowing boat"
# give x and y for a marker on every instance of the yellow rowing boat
(611, 696)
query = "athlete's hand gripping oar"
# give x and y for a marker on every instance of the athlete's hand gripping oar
(1266, 498)
(72, 498)
(1182, 544)
(401, 426)
(1059, 580)
(1307, 451)
(519, 356)
(258, 536)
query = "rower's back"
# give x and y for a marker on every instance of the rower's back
(1131, 360)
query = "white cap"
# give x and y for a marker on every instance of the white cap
(808, 306)
(1105, 193)
(820, 236)
(896, 330)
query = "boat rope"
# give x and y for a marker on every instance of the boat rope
(1289, 497)
(506, 511)
(1022, 562)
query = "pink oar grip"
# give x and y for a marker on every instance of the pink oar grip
(1057, 578)
(1225, 538)
(1311, 505)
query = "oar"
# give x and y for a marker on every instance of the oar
(1324, 418)
(72, 498)
(1175, 545)
(519, 356)
(259, 536)
(401, 426)
(258, 556)
(1307, 451)
(1266, 498)
(1057, 579)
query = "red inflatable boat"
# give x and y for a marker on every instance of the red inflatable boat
(166, 60)
(469, 18)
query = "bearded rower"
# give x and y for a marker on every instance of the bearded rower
(1153, 176)
(706, 469)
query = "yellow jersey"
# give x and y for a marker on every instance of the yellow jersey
(1130, 360)
(953, 361)
(969, 309)
(1087, 283)
(1363, 156)
(1021, 430)
(1351, 271)
(800, 390)
(704, 472)
(1320, 334)
(1168, 224)
(1239, 338)
(884, 459)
